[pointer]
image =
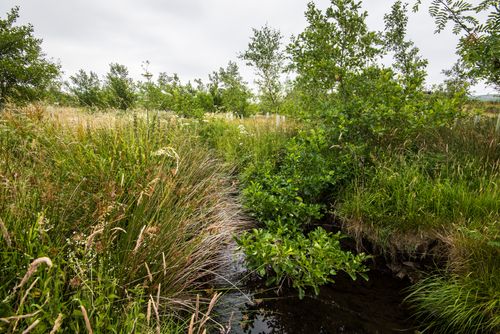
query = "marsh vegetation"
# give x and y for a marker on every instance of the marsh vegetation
(119, 198)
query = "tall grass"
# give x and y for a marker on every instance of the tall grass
(442, 186)
(126, 211)
(442, 179)
(241, 142)
(457, 304)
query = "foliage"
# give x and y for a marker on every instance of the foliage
(307, 261)
(335, 45)
(458, 80)
(479, 41)
(87, 89)
(26, 72)
(265, 54)
(234, 94)
(407, 61)
(288, 195)
(119, 88)
(295, 185)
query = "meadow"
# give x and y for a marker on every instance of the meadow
(113, 223)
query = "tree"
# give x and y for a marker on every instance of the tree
(265, 54)
(457, 82)
(120, 89)
(479, 45)
(335, 44)
(25, 73)
(87, 89)
(234, 92)
(214, 89)
(407, 61)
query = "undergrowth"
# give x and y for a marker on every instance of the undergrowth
(442, 186)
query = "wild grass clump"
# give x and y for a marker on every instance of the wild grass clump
(400, 196)
(241, 142)
(465, 298)
(457, 304)
(121, 213)
(440, 188)
(446, 179)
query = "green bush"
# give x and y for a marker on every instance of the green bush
(282, 253)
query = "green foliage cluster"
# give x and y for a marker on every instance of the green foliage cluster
(307, 261)
(25, 72)
(479, 41)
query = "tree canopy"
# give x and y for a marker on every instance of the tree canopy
(479, 45)
(265, 55)
(25, 72)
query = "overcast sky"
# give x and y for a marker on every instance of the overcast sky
(190, 37)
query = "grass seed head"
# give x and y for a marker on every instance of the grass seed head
(32, 269)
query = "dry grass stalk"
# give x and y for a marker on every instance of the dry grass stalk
(158, 295)
(91, 237)
(87, 321)
(114, 233)
(164, 264)
(206, 316)
(157, 315)
(170, 152)
(197, 307)
(32, 269)
(30, 327)
(148, 313)
(200, 329)
(17, 317)
(191, 325)
(140, 239)
(57, 324)
(23, 299)
(150, 276)
(5, 233)
(27, 292)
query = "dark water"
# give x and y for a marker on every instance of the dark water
(344, 307)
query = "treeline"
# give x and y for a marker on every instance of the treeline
(333, 61)
(225, 92)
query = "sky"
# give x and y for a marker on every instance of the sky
(192, 37)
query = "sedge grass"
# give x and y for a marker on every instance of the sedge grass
(442, 187)
(118, 214)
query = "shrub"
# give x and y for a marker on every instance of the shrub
(284, 253)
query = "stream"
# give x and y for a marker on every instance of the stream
(352, 307)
